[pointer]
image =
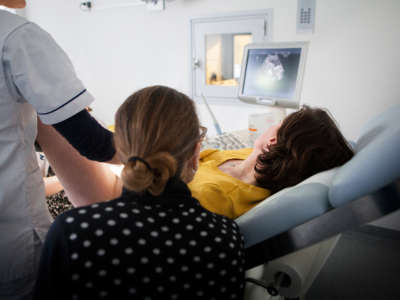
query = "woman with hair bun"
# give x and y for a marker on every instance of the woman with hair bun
(155, 241)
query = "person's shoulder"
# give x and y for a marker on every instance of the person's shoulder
(220, 156)
(206, 188)
(26, 35)
(10, 22)
(77, 214)
(222, 219)
(223, 224)
(8, 16)
(208, 154)
(236, 153)
(27, 30)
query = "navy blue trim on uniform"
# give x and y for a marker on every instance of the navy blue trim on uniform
(46, 113)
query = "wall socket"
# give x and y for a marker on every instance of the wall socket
(305, 16)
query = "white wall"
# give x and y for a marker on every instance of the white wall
(353, 66)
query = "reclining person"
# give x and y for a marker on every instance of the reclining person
(230, 182)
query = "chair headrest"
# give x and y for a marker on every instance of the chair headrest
(376, 162)
(287, 208)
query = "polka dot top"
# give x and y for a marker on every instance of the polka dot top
(143, 247)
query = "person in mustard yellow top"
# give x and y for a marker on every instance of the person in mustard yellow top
(230, 182)
(220, 192)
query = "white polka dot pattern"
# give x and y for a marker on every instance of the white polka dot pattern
(151, 248)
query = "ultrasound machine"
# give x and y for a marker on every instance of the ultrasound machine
(271, 76)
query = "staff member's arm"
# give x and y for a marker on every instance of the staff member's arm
(52, 185)
(84, 181)
(38, 71)
(88, 137)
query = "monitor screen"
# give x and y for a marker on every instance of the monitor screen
(272, 74)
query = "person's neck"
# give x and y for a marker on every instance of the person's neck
(244, 170)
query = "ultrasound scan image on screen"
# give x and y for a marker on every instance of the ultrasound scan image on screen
(272, 73)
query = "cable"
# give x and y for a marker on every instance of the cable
(216, 124)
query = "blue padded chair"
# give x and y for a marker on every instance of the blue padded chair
(376, 164)
(363, 190)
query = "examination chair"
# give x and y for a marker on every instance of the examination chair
(289, 236)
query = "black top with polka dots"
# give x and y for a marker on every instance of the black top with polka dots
(143, 247)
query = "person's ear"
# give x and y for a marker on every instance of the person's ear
(196, 157)
(271, 141)
(191, 165)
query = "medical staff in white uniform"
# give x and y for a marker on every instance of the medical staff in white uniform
(36, 78)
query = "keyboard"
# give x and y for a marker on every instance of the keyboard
(225, 141)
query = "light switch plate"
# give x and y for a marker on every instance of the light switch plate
(305, 16)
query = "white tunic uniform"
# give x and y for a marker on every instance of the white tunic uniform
(35, 76)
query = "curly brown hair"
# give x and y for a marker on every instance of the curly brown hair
(308, 142)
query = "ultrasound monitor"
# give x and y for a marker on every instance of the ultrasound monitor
(272, 74)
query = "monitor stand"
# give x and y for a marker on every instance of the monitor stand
(278, 112)
(260, 122)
